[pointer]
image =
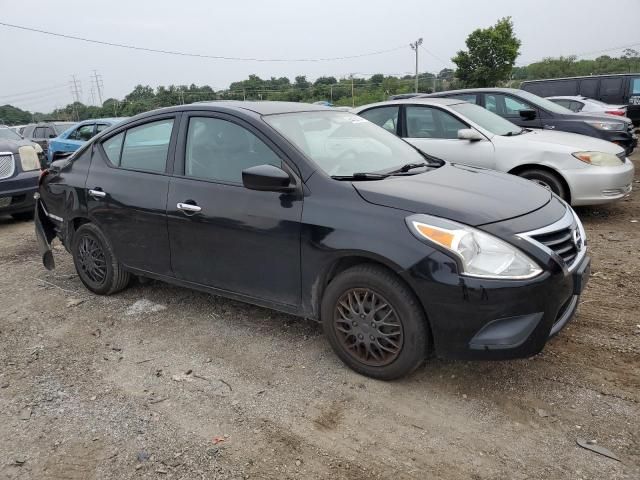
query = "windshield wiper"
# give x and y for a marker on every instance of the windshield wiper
(407, 167)
(361, 176)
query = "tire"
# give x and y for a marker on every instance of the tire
(547, 180)
(95, 262)
(397, 334)
(23, 216)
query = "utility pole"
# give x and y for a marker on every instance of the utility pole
(414, 46)
(76, 91)
(331, 93)
(353, 100)
(97, 79)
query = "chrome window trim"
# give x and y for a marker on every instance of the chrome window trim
(567, 221)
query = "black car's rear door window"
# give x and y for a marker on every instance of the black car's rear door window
(220, 150)
(146, 147)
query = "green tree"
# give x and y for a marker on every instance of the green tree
(491, 55)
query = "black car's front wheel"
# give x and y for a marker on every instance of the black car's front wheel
(374, 323)
(96, 263)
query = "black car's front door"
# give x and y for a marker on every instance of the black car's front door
(223, 235)
(509, 107)
(126, 192)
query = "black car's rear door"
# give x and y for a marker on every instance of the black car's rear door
(223, 235)
(127, 190)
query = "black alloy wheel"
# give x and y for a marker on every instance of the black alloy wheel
(374, 322)
(96, 263)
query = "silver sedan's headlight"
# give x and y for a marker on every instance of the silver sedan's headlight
(599, 159)
(481, 254)
(614, 126)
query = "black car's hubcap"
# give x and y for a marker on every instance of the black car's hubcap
(368, 327)
(91, 259)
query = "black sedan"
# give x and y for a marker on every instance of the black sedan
(321, 214)
(20, 162)
(531, 111)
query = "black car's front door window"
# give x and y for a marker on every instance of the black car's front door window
(220, 150)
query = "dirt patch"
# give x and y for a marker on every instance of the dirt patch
(164, 382)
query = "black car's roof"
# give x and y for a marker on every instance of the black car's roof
(472, 90)
(260, 108)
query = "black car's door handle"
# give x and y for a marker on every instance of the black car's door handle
(189, 207)
(97, 193)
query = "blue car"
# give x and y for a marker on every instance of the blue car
(71, 139)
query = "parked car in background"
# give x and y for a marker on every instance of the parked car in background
(322, 214)
(41, 133)
(589, 105)
(618, 89)
(18, 129)
(20, 162)
(531, 111)
(579, 169)
(73, 138)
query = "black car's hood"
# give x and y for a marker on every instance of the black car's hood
(470, 195)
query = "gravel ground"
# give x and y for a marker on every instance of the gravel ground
(163, 382)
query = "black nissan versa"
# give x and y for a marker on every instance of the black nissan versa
(321, 214)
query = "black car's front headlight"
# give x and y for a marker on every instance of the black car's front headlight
(481, 254)
(611, 126)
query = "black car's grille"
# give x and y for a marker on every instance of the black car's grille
(561, 242)
(7, 165)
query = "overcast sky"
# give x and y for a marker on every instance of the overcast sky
(41, 65)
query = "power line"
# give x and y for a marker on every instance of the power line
(23, 94)
(584, 54)
(197, 55)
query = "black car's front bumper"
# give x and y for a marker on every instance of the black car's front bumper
(626, 139)
(499, 319)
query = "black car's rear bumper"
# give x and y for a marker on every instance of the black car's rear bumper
(499, 319)
(45, 233)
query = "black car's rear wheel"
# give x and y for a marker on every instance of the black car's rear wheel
(374, 322)
(96, 263)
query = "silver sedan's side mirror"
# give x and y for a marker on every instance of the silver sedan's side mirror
(469, 134)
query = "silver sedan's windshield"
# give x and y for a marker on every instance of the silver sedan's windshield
(488, 120)
(343, 144)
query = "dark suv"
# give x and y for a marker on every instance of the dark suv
(322, 214)
(531, 111)
(20, 162)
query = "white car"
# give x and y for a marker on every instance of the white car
(589, 105)
(582, 170)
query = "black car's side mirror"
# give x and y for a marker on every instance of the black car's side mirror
(266, 178)
(528, 114)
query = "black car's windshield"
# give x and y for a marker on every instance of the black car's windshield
(488, 120)
(8, 134)
(344, 144)
(543, 102)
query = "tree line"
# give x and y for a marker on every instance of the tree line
(489, 60)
